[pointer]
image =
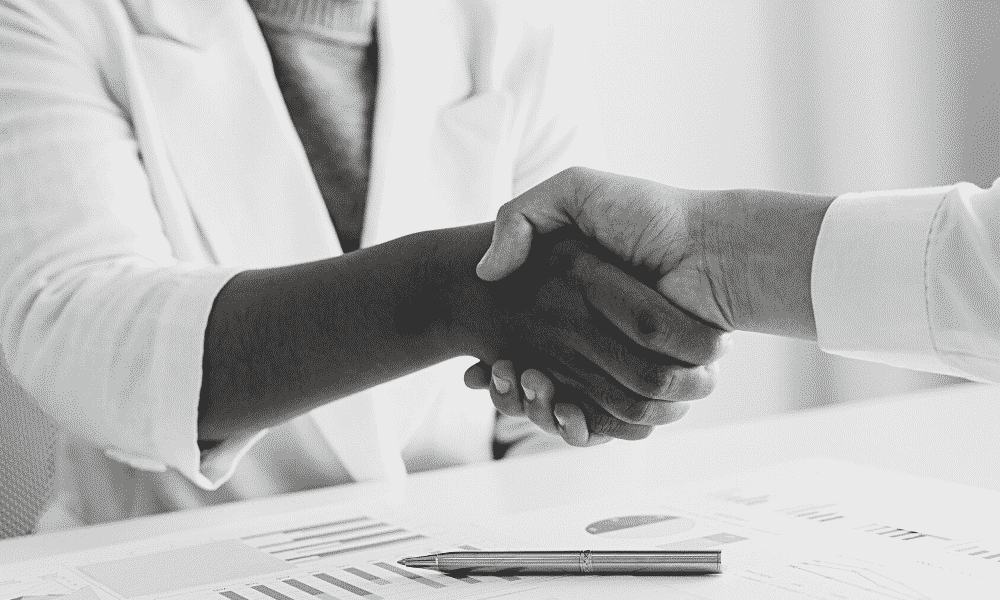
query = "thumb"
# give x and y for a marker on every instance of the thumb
(545, 207)
(509, 248)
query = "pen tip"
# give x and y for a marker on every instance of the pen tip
(418, 562)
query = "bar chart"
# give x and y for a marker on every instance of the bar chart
(704, 542)
(370, 580)
(324, 540)
(349, 557)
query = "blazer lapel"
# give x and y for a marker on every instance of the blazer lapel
(228, 135)
(440, 151)
(440, 158)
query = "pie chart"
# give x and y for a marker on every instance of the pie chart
(640, 526)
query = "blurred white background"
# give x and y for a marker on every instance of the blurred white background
(812, 96)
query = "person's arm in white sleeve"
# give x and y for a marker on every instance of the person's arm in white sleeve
(145, 356)
(908, 278)
(911, 278)
(99, 321)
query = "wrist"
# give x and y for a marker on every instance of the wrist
(465, 312)
(759, 247)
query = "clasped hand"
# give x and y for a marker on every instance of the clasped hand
(591, 349)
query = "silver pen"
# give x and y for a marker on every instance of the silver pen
(606, 562)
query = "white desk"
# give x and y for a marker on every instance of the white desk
(952, 434)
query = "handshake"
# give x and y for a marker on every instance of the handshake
(621, 295)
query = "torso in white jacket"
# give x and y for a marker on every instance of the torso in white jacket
(148, 156)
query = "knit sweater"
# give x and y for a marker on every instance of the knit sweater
(325, 61)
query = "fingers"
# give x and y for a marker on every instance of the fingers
(595, 352)
(564, 419)
(642, 313)
(539, 393)
(567, 330)
(573, 427)
(477, 377)
(504, 391)
(536, 399)
(599, 421)
(621, 404)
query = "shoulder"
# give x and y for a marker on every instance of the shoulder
(79, 25)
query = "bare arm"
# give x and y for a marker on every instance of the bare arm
(282, 341)
(758, 248)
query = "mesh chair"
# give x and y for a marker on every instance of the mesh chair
(27, 458)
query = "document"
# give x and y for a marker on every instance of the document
(336, 553)
(811, 529)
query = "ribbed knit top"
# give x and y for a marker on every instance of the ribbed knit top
(350, 20)
(326, 62)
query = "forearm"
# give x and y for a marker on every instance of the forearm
(760, 245)
(282, 341)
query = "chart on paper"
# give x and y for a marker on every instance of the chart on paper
(805, 530)
(319, 555)
(811, 529)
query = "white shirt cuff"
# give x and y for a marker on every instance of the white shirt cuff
(869, 278)
(177, 368)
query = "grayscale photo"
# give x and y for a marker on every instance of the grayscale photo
(527, 299)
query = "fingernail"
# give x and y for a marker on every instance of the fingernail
(483, 268)
(529, 393)
(560, 421)
(502, 385)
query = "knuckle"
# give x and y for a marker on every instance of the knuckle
(654, 412)
(502, 364)
(574, 250)
(710, 346)
(505, 213)
(608, 425)
(720, 346)
(657, 331)
(695, 383)
(641, 412)
(636, 432)
(708, 378)
(656, 335)
(586, 266)
(506, 406)
(664, 333)
(676, 412)
(657, 381)
(573, 174)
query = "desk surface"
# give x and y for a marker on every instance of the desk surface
(949, 433)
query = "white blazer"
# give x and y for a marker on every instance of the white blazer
(146, 156)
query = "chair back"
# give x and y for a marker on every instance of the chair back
(27, 458)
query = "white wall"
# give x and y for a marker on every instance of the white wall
(812, 96)
(685, 100)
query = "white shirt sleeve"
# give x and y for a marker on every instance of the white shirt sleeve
(911, 278)
(99, 321)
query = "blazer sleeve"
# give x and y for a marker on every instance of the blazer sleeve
(911, 278)
(99, 321)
